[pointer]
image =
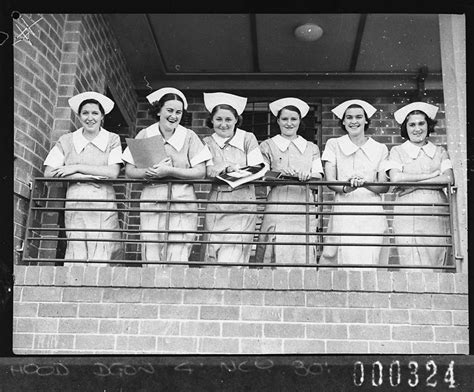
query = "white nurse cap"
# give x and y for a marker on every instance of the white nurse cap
(402, 113)
(156, 95)
(340, 109)
(76, 100)
(279, 104)
(211, 100)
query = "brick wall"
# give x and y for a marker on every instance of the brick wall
(64, 54)
(111, 310)
(36, 75)
(91, 61)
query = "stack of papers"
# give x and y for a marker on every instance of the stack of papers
(148, 151)
(276, 175)
(243, 175)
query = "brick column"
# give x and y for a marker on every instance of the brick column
(453, 60)
(36, 74)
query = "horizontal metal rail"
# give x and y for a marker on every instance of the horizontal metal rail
(316, 209)
(236, 242)
(202, 201)
(62, 229)
(242, 211)
(284, 182)
(263, 265)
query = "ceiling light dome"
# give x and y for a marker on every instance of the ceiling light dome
(308, 32)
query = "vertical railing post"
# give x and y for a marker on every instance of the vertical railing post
(307, 222)
(320, 220)
(167, 221)
(26, 243)
(452, 229)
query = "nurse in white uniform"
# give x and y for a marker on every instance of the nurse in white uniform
(186, 157)
(357, 159)
(419, 160)
(232, 148)
(91, 152)
(292, 155)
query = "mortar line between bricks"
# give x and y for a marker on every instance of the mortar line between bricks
(238, 289)
(241, 289)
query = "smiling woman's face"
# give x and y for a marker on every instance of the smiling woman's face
(289, 122)
(354, 121)
(417, 128)
(224, 123)
(91, 117)
(170, 115)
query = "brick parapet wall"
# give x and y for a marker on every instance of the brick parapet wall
(111, 310)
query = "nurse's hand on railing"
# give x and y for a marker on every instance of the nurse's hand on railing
(223, 167)
(303, 175)
(71, 171)
(299, 174)
(160, 169)
(215, 170)
(64, 171)
(356, 181)
(90, 176)
(231, 168)
(289, 172)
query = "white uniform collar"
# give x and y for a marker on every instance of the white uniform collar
(100, 141)
(283, 143)
(176, 140)
(413, 150)
(237, 140)
(349, 148)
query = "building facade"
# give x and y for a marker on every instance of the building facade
(174, 309)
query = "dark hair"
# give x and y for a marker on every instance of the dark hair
(91, 100)
(225, 107)
(366, 126)
(403, 127)
(293, 109)
(156, 106)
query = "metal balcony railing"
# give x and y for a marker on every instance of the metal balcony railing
(40, 231)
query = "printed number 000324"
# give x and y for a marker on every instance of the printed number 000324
(376, 375)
